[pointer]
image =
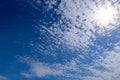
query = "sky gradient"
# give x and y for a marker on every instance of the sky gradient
(59, 40)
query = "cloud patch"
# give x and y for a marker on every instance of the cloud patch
(39, 69)
(3, 78)
(108, 66)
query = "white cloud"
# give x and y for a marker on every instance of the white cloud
(106, 67)
(74, 10)
(36, 4)
(111, 64)
(27, 75)
(76, 29)
(3, 78)
(42, 70)
(38, 69)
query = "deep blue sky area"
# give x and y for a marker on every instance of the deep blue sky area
(16, 31)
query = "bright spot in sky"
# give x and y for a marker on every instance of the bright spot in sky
(105, 15)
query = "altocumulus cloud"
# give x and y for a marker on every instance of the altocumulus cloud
(77, 27)
(40, 69)
(106, 67)
(75, 30)
(109, 64)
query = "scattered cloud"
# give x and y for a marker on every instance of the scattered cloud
(37, 4)
(76, 30)
(40, 70)
(108, 66)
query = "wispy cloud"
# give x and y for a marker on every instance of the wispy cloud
(108, 66)
(39, 69)
(36, 4)
(3, 78)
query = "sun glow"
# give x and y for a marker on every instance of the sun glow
(105, 15)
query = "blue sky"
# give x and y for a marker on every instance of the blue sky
(59, 40)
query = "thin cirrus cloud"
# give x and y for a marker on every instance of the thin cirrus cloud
(38, 69)
(3, 78)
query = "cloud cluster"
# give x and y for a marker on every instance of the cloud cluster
(76, 28)
(106, 67)
(75, 32)
(110, 63)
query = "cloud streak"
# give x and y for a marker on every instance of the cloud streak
(3, 78)
(39, 69)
